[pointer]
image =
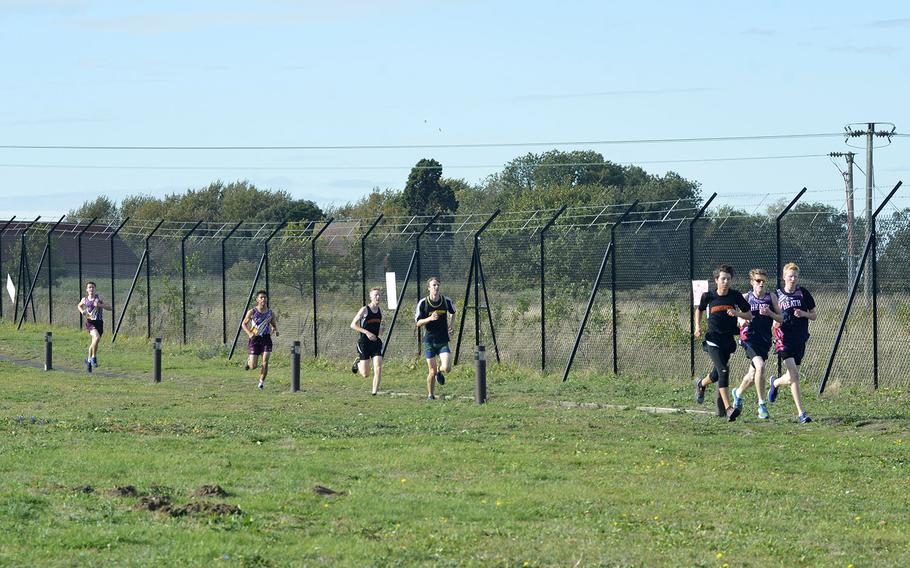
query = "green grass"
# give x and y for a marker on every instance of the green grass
(522, 480)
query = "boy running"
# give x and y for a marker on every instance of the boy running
(755, 339)
(724, 305)
(369, 347)
(258, 324)
(91, 307)
(797, 307)
(436, 314)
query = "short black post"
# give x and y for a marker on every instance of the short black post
(295, 367)
(156, 369)
(480, 368)
(48, 351)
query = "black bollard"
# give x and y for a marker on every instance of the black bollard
(48, 351)
(480, 367)
(295, 367)
(157, 365)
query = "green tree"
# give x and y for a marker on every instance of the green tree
(101, 207)
(425, 192)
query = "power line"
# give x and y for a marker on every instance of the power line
(385, 167)
(427, 146)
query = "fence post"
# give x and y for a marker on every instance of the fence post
(874, 253)
(156, 363)
(295, 367)
(79, 261)
(543, 300)
(777, 253)
(480, 372)
(417, 272)
(584, 319)
(183, 275)
(50, 274)
(265, 249)
(48, 351)
(315, 309)
(3, 230)
(613, 282)
(363, 257)
(148, 282)
(224, 284)
(477, 278)
(24, 275)
(691, 309)
(113, 269)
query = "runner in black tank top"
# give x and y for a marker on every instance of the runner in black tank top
(723, 306)
(368, 321)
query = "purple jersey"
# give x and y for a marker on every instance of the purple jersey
(793, 327)
(261, 321)
(91, 307)
(758, 330)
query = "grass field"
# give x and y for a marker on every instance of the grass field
(545, 474)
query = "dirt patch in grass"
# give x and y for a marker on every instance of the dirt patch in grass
(124, 491)
(203, 508)
(154, 503)
(210, 491)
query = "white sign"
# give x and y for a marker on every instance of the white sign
(391, 291)
(699, 287)
(10, 288)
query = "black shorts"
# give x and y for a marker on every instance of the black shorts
(97, 325)
(259, 344)
(754, 349)
(794, 350)
(367, 349)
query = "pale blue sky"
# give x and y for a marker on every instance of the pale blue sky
(399, 72)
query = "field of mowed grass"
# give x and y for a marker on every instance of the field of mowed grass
(545, 474)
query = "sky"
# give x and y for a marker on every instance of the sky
(472, 84)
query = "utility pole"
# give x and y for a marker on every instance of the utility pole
(848, 183)
(870, 134)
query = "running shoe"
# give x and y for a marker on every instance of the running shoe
(354, 367)
(440, 378)
(763, 411)
(737, 400)
(733, 413)
(721, 408)
(431, 397)
(804, 418)
(88, 364)
(772, 392)
(699, 392)
(261, 384)
(95, 362)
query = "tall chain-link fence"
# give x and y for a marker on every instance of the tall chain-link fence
(192, 282)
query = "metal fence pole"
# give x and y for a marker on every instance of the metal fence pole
(363, 257)
(265, 249)
(404, 288)
(691, 309)
(477, 278)
(315, 308)
(148, 282)
(3, 230)
(777, 254)
(24, 275)
(79, 257)
(543, 299)
(224, 284)
(613, 282)
(584, 320)
(183, 275)
(417, 272)
(874, 234)
(113, 269)
(50, 274)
